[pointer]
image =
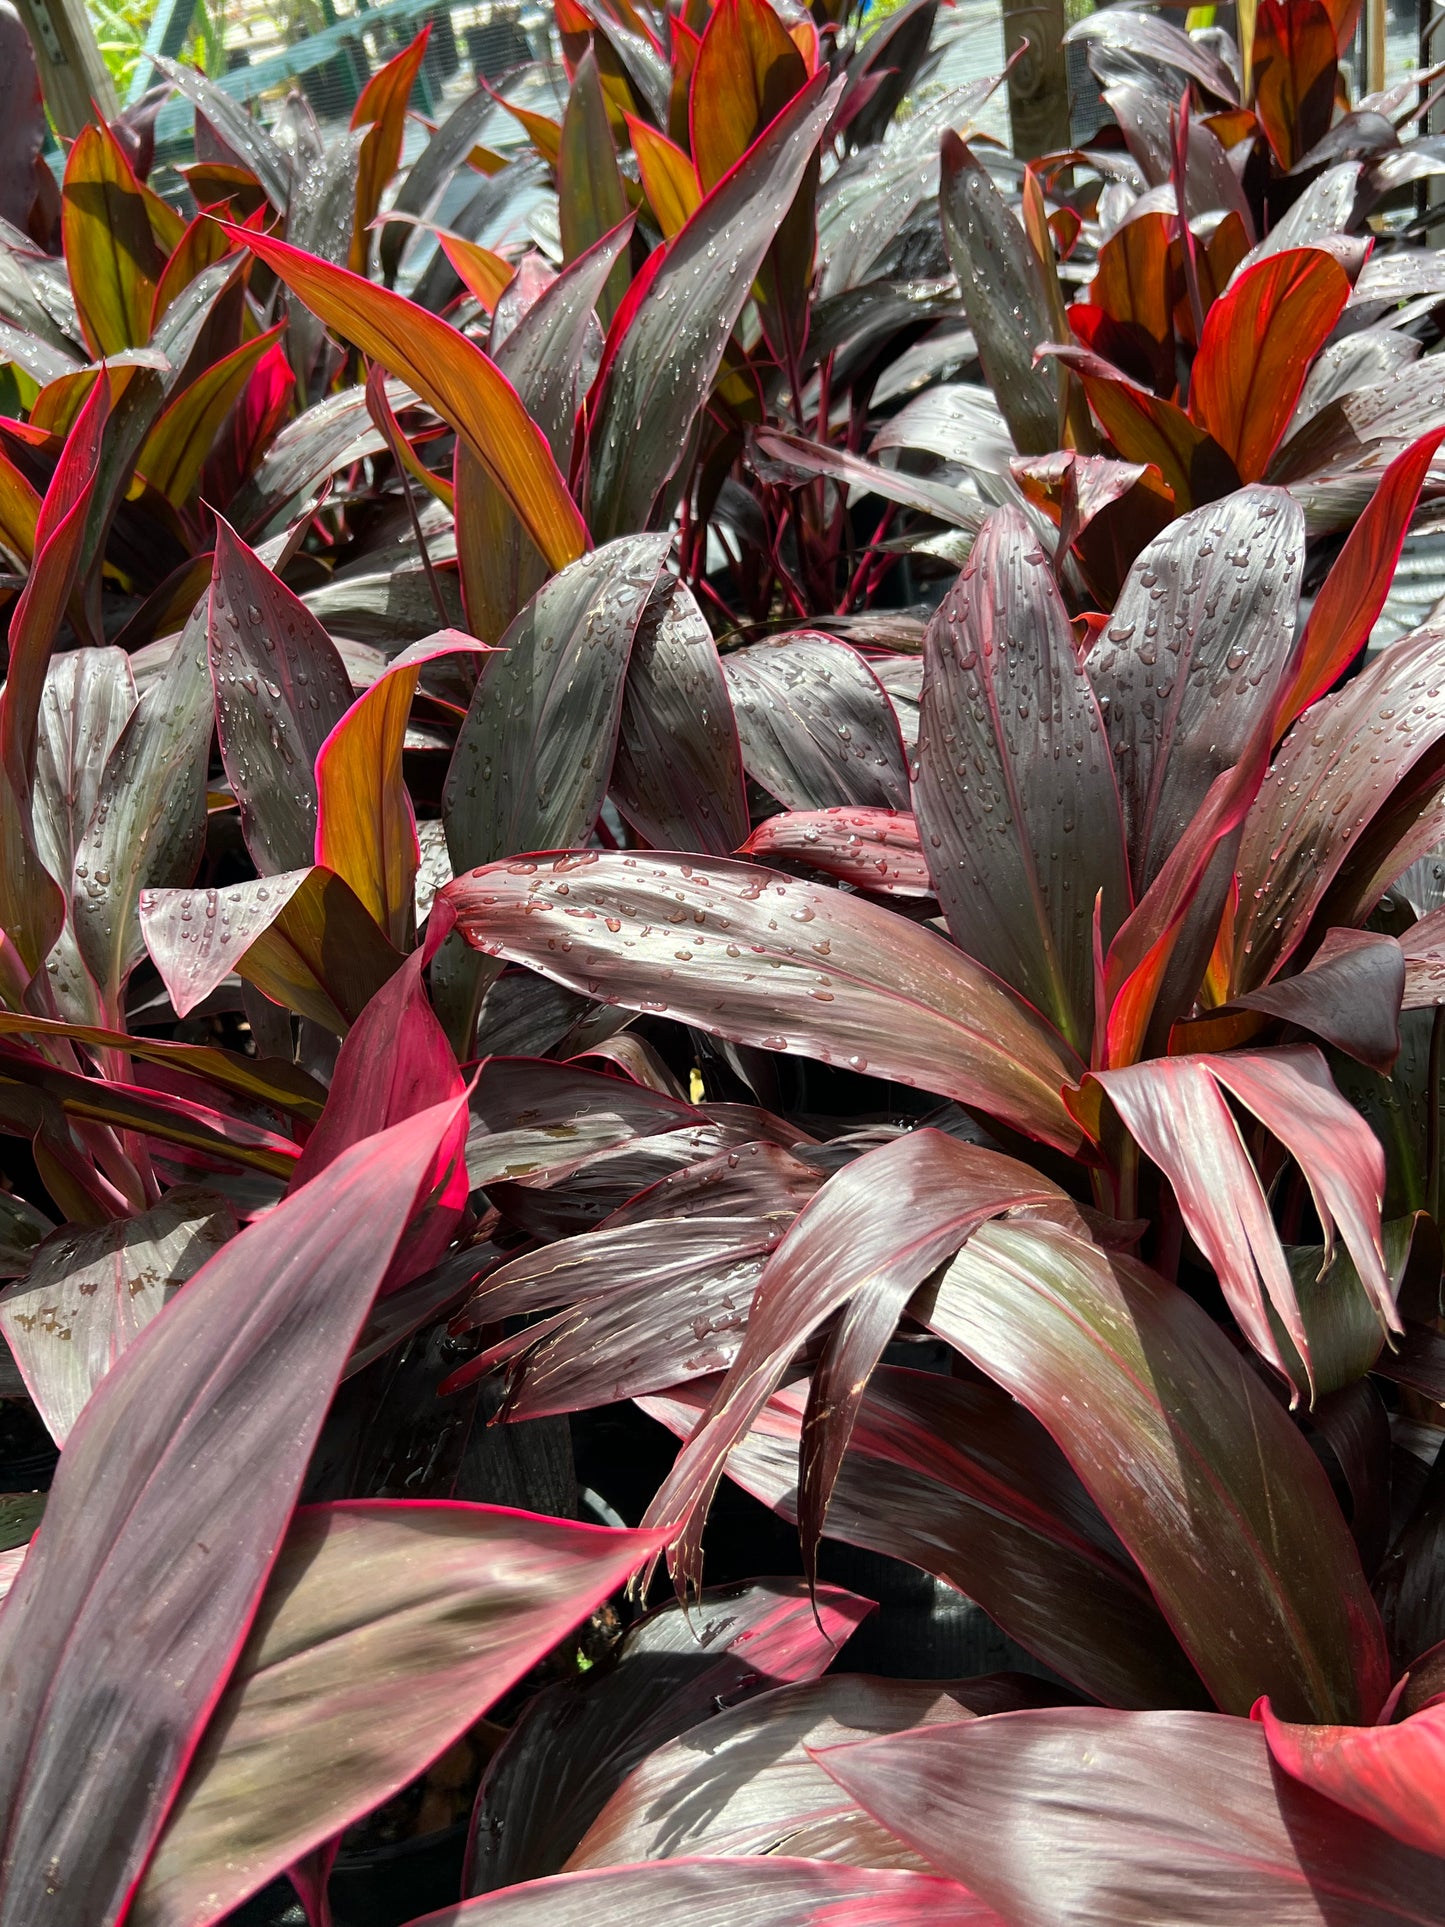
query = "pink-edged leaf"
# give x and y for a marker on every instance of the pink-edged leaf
(166, 1513)
(533, 755)
(645, 1306)
(874, 850)
(1342, 775)
(36, 615)
(1188, 1456)
(815, 724)
(746, 1783)
(773, 1891)
(1423, 949)
(1017, 804)
(1353, 593)
(1198, 641)
(678, 773)
(280, 688)
(89, 1294)
(365, 825)
(866, 1242)
(304, 939)
(779, 963)
(384, 1631)
(395, 1062)
(574, 1744)
(1176, 1110)
(1391, 1775)
(1152, 1817)
(956, 1478)
(1350, 993)
(1258, 342)
(668, 337)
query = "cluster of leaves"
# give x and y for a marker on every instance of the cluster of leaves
(771, 776)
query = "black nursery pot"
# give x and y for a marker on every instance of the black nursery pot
(388, 1885)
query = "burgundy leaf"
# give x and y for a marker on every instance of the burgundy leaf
(165, 1516)
(1199, 639)
(955, 1477)
(1176, 1110)
(1188, 1456)
(574, 1744)
(384, 1631)
(1174, 1817)
(678, 773)
(775, 962)
(1391, 1775)
(1349, 993)
(89, 1294)
(1017, 806)
(816, 728)
(875, 850)
(280, 690)
(876, 1229)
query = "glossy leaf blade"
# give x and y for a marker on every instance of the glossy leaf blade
(280, 689)
(456, 1602)
(576, 1742)
(1199, 639)
(176, 448)
(1353, 593)
(89, 1294)
(126, 1617)
(1199, 1471)
(453, 376)
(1133, 1816)
(678, 773)
(1001, 282)
(1017, 805)
(956, 1478)
(668, 337)
(896, 999)
(1258, 342)
(534, 754)
(1393, 1776)
(591, 197)
(815, 724)
(845, 1246)
(1146, 428)
(110, 251)
(875, 850)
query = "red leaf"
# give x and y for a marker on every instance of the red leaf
(1295, 64)
(170, 1502)
(1392, 1775)
(1145, 428)
(1259, 340)
(1353, 593)
(875, 850)
(1152, 1817)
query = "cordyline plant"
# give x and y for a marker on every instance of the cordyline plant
(503, 914)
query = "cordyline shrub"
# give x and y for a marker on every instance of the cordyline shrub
(844, 596)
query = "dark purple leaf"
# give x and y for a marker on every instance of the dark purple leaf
(678, 773)
(165, 1516)
(280, 690)
(1146, 35)
(815, 725)
(1349, 993)
(1015, 795)
(575, 1743)
(1188, 1456)
(778, 963)
(1176, 1817)
(874, 850)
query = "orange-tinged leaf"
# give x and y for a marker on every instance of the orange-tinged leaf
(1134, 282)
(203, 243)
(365, 827)
(544, 133)
(382, 110)
(1344, 17)
(685, 44)
(110, 249)
(747, 71)
(669, 178)
(380, 410)
(1259, 341)
(1145, 428)
(1295, 64)
(19, 511)
(454, 377)
(176, 448)
(483, 273)
(1354, 591)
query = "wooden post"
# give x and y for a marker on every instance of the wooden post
(1038, 85)
(72, 72)
(1375, 44)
